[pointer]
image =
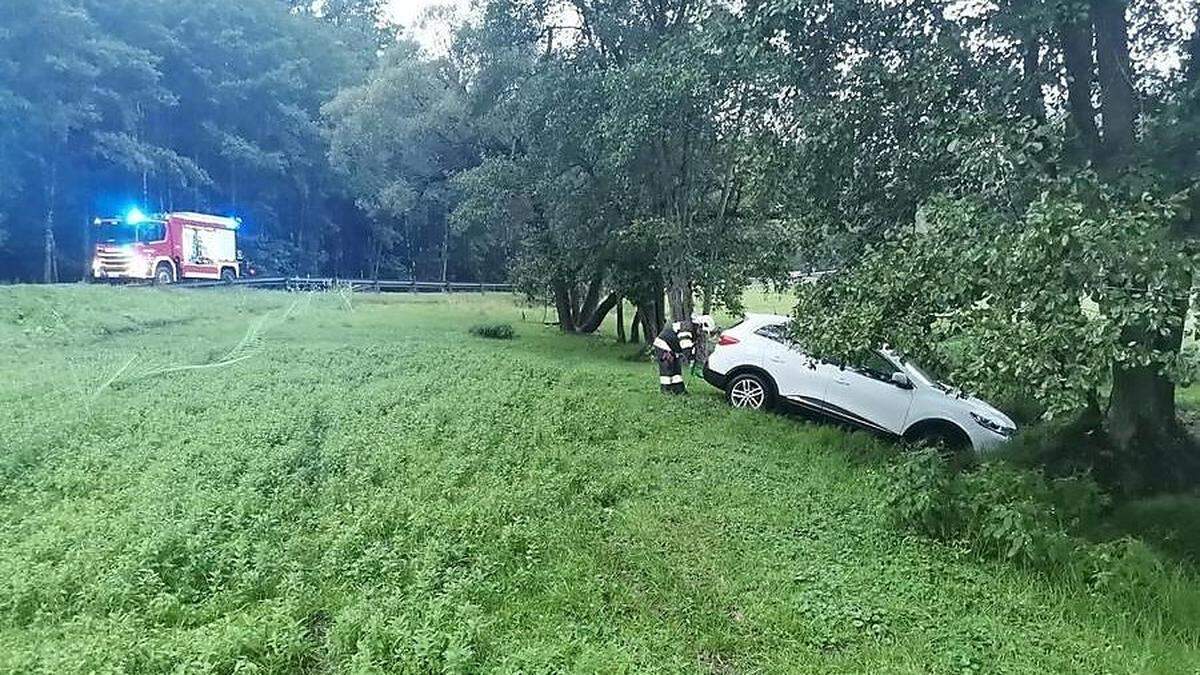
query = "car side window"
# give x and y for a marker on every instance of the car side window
(775, 332)
(876, 367)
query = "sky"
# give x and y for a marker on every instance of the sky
(409, 13)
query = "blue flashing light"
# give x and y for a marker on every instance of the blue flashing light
(135, 216)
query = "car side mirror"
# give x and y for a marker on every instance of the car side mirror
(901, 380)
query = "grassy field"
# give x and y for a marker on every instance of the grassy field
(236, 481)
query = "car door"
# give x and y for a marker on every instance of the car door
(865, 394)
(800, 378)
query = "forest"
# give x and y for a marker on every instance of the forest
(1007, 189)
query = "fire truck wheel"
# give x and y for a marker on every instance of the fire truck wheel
(163, 274)
(228, 275)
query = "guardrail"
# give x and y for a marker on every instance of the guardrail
(368, 285)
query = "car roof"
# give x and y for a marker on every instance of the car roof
(764, 319)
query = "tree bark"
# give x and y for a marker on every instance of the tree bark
(635, 326)
(445, 249)
(1118, 105)
(621, 320)
(1031, 62)
(592, 322)
(1152, 448)
(1077, 58)
(649, 330)
(591, 298)
(562, 304)
(679, 294)
(49, 262)
(1141, 421)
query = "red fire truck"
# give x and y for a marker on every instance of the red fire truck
(166, 247)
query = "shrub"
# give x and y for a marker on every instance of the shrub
(494, 331)
(1022, 406)
(1170, 522)
(1067, 446)
(999, 510)
(1006, 512)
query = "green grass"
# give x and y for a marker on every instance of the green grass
(228, 481)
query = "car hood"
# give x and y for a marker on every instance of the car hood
(980, 407)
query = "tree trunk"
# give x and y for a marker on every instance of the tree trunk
(49, 262)
(1031, 61)
(378, 255)
(1118, 105)
(621, 320)
(591, 323)
(635, 326)
(679, 294)
(1077, 58)
(1152, 449)
(445, 249)
(562, 304)
(591, 298)
(1141, 422)
(649, 330)
(573, 305)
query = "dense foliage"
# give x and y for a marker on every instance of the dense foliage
(1009, 230)
(190, 105)
(618, 158)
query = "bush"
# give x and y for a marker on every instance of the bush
(1068, 446)
(999, 510)
(1022, 406)
(494, 331)
(1002, 511)
(1170, 522)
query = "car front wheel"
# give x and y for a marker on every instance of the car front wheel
(749, 391)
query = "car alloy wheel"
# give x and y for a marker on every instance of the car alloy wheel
(748, 392)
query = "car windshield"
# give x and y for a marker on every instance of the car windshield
(916, 370)
(123, 233)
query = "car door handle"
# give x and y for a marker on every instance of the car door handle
(844, 383)
(777, 359)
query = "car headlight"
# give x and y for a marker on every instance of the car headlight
(992, 425)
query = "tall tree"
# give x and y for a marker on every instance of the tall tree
(1012, 219)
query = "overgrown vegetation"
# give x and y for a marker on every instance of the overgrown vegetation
(1003, 512)
(494, 331)
(351, 499)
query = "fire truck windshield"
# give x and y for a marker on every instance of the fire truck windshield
(122, 233)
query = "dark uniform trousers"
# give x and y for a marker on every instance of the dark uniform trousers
(671, 346)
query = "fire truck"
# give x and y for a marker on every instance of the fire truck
(166, 247)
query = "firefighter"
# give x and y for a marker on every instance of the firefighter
(671, 347)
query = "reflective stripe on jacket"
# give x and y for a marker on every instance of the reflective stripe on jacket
(675, 339)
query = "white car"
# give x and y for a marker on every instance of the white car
(758, 365)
